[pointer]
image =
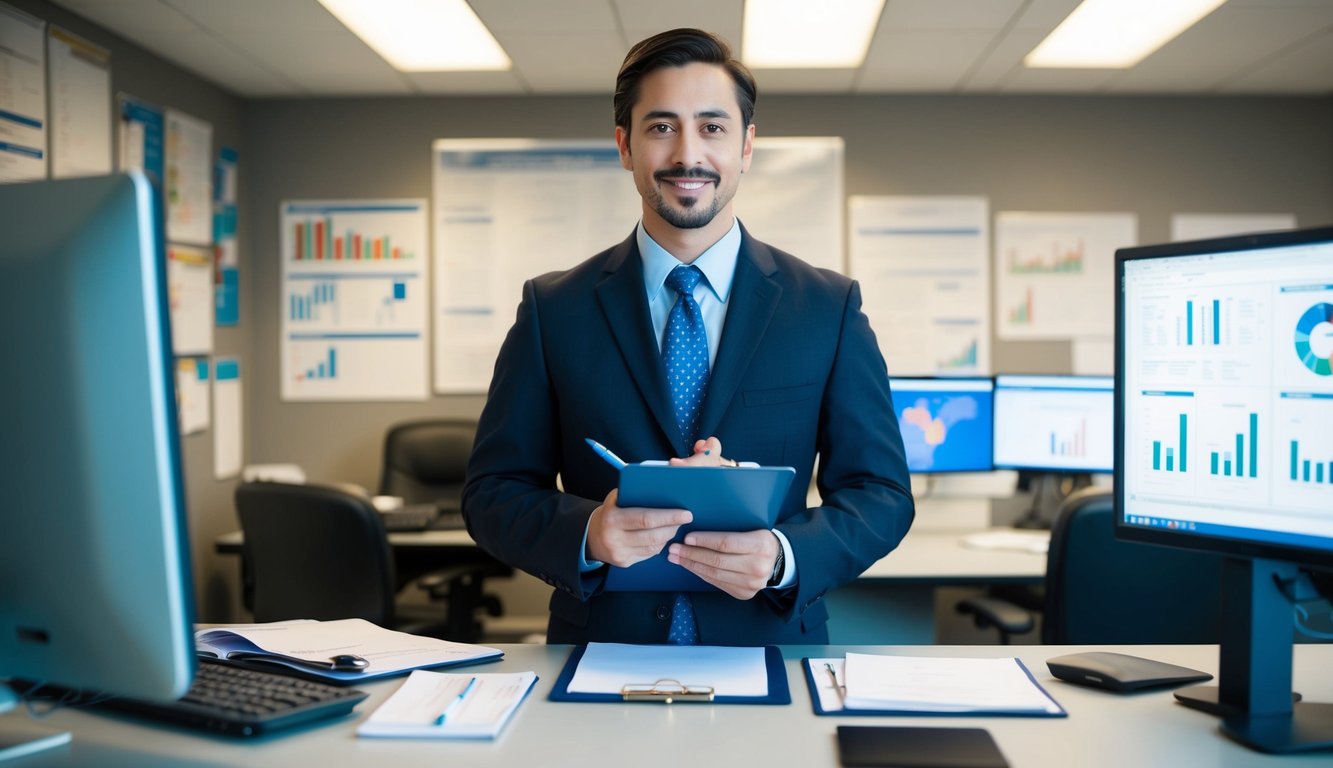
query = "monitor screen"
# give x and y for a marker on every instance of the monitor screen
(1224, 403)
(1055, 423)
(946, 423)
(1227, 394)
(95, 590)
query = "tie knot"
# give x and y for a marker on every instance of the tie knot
(683, 279)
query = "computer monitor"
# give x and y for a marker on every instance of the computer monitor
(946, 423)
(1054, 423)
(1223, 443)
(95, 589)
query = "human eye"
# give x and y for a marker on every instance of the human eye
(714, 128)
(660, 129)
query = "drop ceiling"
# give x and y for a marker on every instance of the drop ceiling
(295, 48)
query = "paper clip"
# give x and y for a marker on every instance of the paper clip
(666, 691)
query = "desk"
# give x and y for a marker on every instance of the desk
(1102, 729)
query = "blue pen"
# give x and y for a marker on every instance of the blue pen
(456, 703)
(601, 450)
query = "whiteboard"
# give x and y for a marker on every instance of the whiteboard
(507, 210)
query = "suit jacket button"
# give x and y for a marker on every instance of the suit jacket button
(663, 612)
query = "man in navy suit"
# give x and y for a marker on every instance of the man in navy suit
(794, 372)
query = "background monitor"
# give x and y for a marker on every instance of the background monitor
(1055, 423)
(946, 423)
(1224, 443)
(95, 590)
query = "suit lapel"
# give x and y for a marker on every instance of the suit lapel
(754, 299)
(625, 307)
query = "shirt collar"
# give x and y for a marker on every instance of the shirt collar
(718, 263)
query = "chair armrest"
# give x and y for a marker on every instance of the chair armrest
(1008, 618)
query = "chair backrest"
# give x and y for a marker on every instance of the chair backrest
(425, 460)
(315, 552)
(1101, 590)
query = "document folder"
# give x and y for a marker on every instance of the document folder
(672, 691)
(720, 498)
(827, 698)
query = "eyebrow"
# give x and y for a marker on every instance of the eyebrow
(659, 114)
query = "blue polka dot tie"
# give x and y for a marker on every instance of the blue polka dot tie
(685, 357)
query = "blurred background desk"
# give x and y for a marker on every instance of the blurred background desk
(894, 601)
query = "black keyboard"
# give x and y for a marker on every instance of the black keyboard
(413, 517)
(245, 702)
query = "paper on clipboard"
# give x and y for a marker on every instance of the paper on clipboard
(744, 498)
(729, 671)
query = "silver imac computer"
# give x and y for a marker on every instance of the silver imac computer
(95, 589)
(1224, 443)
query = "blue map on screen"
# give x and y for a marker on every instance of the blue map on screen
(947, 431)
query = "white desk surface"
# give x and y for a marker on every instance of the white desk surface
(1103, 729)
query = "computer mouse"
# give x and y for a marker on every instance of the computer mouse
(1120, 672)
(346, 662)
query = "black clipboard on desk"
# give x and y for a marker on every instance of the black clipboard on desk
(779, 692)
(721, 498)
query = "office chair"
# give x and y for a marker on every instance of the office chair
(425, 460)
(424, 463)
(1101, 591)
(320, 552)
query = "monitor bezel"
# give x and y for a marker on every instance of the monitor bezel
(1042, 468)
(1224, 545)
(990, 467)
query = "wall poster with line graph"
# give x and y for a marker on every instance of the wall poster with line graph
(1054, 273)
(354, 300)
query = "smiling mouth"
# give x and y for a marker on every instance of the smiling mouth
(687, 181)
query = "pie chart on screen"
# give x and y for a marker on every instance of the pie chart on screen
(1314, 339)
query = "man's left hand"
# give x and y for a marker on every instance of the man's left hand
(739, 564)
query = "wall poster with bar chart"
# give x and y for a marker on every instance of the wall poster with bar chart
(1054, 273)
(924, 268)
(354, 300)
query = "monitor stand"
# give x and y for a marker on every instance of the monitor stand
(1253, 696)
(18, 736)
(1049, 490)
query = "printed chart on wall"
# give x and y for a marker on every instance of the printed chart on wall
(190, 287)
(354, 300)
(924, 268)
(506, 210)
(188, 185)
(1054, 273)
(80, 88)
(22, 96)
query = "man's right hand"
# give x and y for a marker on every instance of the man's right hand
(623, 536)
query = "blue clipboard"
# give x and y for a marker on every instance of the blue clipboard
(721, 499)
(817, 705)
(779, 692)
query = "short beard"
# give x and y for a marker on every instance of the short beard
(690, 218)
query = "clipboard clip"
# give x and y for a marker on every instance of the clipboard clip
(666, 691)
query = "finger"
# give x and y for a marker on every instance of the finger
(745, 543)
(741, 585)
(647, 518)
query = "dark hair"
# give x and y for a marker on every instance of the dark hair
(677, 48)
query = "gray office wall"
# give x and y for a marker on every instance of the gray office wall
(1149, 156)
(147, 77)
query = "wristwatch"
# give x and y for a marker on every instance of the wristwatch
(779, 565)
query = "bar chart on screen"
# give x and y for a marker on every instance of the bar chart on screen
(354, 300)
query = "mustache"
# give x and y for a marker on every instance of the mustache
(688, 173)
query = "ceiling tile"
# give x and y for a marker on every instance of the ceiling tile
(546, 16)
(567, 63)
(903, 15)
(132, 18)
(299, 16)
(640, 19)
(221, 63)
(1306, 68)
(466, 83)
(804, 80)
(922, 60)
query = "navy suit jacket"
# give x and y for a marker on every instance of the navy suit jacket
(798, 374)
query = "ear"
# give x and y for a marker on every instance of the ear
(747, 149)
(622, 144)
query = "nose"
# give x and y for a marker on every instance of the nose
(688, 149)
